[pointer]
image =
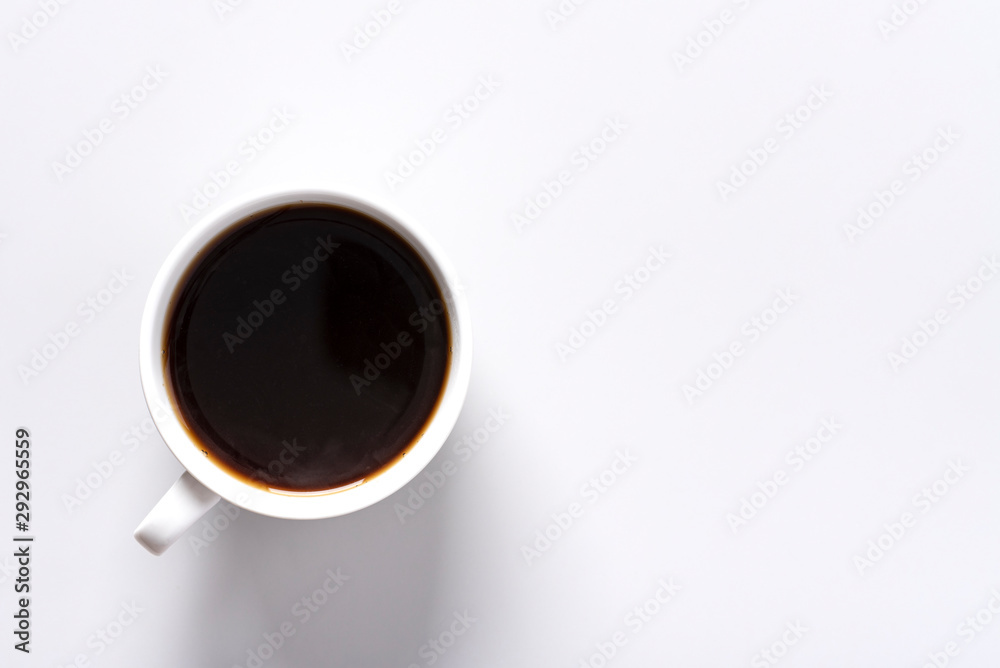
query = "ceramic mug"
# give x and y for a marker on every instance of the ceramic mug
(204, 483)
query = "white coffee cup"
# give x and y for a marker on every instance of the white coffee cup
(204, 483)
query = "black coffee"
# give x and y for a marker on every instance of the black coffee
(307, 348)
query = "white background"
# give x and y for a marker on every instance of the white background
(856, 298)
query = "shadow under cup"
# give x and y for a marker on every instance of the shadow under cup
(306, 348)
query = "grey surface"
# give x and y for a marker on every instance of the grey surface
(656, 185)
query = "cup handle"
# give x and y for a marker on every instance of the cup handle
(174, 514)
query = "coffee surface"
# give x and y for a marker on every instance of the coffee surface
(308, 348)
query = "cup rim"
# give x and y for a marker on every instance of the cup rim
(160, 299)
